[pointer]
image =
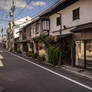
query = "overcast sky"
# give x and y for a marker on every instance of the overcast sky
(33, 9)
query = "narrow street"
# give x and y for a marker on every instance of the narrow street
(18, 75)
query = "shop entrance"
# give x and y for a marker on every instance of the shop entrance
(89, 54)
(84, 54)
(79, 53)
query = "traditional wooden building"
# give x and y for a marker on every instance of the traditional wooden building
(68, 15)
(82, 36)
(30, 34)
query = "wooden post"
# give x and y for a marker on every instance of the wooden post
(84, 53)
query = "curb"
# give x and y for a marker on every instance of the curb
(83, 75)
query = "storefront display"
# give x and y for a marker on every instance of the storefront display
(84, 54)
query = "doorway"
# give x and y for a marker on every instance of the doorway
(79, 53)
(89, 54)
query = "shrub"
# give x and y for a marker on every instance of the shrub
(35, 55)
(43, 57)
(54, 52)
(18, 51)
(29, 54)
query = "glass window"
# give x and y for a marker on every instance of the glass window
(80, 53)
(89, 54)
(58, 21)
(76, 14)
(37, 28)
(46, 25)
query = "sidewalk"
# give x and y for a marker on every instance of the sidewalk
(78, 71)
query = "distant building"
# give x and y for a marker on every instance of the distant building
(4, 40)
(19, 24)
(0, 37)
(13, 37)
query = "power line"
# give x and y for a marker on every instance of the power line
(23, 9)
(4, 20)
(49, 2)
(52, 4)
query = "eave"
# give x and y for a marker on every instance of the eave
(58, 7)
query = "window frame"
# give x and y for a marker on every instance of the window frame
(58, 21)
(76, 14)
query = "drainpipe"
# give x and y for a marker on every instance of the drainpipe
(85, 54)
(60, 57)
(60, 23)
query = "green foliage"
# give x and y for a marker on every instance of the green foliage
(43, 57)
(18, 51)
(29, 54)
(54, 52)
(46, 40)
(35, 55)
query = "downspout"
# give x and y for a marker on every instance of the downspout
(60, 57)
(60, 23)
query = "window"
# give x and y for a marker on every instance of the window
(37, 28)
(45, 25)
(76, 14)
(58, 21)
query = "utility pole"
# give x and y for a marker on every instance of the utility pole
(2, 36)
(12, 12)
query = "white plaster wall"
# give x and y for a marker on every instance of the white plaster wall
(16, 34)
(67, 18)
(33, 32)
(53, 26)
(85, 13)
(21, 23)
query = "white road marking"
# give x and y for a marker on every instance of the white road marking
(62, 76)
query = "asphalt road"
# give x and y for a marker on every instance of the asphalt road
(22, 75)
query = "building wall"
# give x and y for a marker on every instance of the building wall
(28, 32)
(67, 18)
(86, 35)
(20, 36)
(19, 24)
(53, 26)
(33, 31)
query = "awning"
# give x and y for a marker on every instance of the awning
(64, 33)
(82, 27)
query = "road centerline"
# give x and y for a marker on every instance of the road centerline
(53, 72)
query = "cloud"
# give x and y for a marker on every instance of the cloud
(20, 3)
(6, 4)
(37, 3)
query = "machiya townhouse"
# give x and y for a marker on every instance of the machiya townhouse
(18, 24)
(29, 35)
(69, 21)
(72, 21)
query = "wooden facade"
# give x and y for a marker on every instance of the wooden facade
(83, 48)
